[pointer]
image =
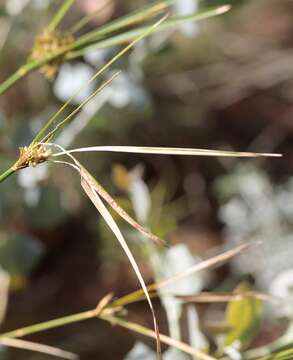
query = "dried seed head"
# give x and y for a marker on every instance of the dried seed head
(48, 43)
(31, 156)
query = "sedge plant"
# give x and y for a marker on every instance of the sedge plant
(43, 149)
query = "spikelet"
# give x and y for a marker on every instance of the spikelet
(48, 43)
(31, 156)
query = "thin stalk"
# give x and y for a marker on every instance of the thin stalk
(7, 173)
(32, 329)
(75, 111)
(6, 84)
(60, 14)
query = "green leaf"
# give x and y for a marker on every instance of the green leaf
(86, 43)
(244, 318)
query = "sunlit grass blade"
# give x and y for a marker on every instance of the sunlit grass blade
(94, 197)
(149, 30)
(164, 339)
(127, 36)
(169, 151)
(40, 348)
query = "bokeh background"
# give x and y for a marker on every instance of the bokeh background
(223, 83)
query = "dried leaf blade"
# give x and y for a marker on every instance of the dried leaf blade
(96, 200)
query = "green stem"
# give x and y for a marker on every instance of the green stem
(28, 330)
(7, 173)
(60, 14)
(24, 70)
(10, 81)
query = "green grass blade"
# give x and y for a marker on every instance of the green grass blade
(127, 36)
(47, 325)
(75, 111)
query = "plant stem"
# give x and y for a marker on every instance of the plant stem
(76, 110)
(24, 70)
(49, 324)
(7, 173)
(60, 14)
(6, 84)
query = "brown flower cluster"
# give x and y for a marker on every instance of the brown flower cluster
(31, 156)
(50, 43)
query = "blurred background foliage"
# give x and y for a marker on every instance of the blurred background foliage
(223, 83)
